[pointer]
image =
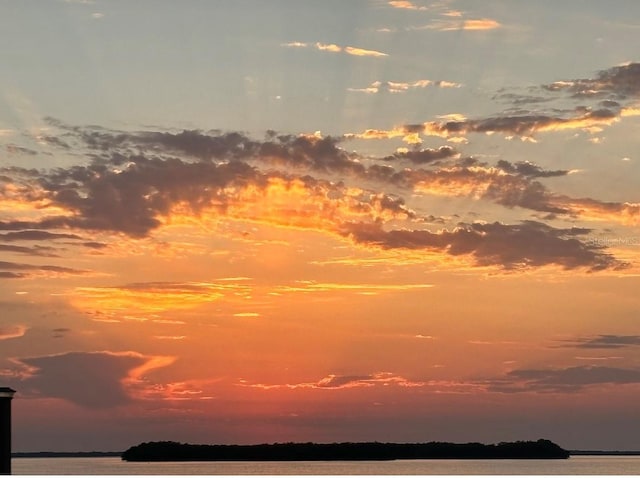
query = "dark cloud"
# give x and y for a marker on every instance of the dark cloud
(16, 149)
(56, 222)
(490, 183)
(424, 156)
(89, 379)
(60, 332)
(95, 245)
(130, 200)
(521, 99)
(563, 380)
(134, 182)
(604, 341)
(98, 191)
(42, 251)
(526, 125)
(528, 169)
(55, 141)
(13, 266)
(320, 154)
(303, 151)
(613, 85)
(37, 235)
(528, 244)
(11, 275)
(619, 82)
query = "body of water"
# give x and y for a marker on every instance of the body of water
(577, 465)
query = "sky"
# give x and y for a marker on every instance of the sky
(245, 221)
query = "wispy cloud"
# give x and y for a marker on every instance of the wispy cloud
(401, 87)
(603, 341)
(328, 47)
(361, 52)
(480, 24)
(335, 382)
(406, 5)
(295, 44)
(143, 301)
(563, 380)
(8, 270)
(524, 127)
(334, 48)
(312, 286)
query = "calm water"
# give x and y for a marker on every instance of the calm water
(577, 465)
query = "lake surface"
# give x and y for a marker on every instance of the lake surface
(577, 465)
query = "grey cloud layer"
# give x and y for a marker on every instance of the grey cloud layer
(620, 82)
(135, 179)
(604, 341)
(89, 379)
(568, 379)
(511, 246)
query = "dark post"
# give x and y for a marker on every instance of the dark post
(6, 394)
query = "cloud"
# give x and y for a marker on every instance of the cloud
(60, 332)
(11, 275)
(334, 48)
(328, 47)
(13, 149)
(295, 44)
(514, 185)
(335, 382)
(480, 24)
(142, 301)
(42, 251)
(40, 270)
(523, 126)
(405, 4)
(95, 380)
(569, 379)
(529, 169)
(320, 154)
(361, 52)
(620, 82)
(379, 380)
(312, 286)
(603, 341)
(138, 182)
(529, 244)
(401, 87)
(11, 332)
(36, 235)
(423, 156)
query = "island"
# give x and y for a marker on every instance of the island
(363, 451)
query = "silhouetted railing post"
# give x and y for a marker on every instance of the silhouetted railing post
(6, 395)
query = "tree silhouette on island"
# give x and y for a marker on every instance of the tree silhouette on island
(368, 451)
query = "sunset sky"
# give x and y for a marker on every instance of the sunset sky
(365, 220)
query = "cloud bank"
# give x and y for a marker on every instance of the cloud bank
(134, 183)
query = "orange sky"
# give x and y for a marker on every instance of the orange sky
(448, 273)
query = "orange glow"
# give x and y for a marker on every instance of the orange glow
(141, 301)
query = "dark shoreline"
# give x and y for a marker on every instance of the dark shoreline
(78, 454)
(163, 451)
(118, 454)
